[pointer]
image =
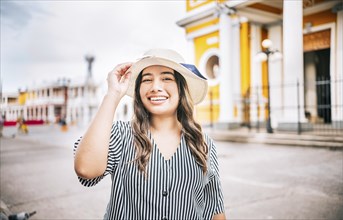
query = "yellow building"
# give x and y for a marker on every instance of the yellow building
(227, 35)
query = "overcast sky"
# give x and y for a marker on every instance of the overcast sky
(46, 40)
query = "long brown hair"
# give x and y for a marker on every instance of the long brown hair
(191, 129)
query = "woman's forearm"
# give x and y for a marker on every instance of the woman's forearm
(91, 155)
(220, 216)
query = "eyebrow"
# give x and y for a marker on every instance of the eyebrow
(162, 73)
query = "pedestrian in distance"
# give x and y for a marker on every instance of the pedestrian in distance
(22, 126)
(2, 123)
(162, 165)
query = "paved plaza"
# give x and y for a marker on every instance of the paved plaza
(259, 181)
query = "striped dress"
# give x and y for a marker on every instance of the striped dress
(173, 189)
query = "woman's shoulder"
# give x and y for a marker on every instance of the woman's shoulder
(212, 156)
(211, 146)
(122, 123)
(208, 140)
(121, 126)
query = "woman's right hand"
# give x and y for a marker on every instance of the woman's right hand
(118, 79)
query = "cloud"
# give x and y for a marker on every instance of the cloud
(17, 15)
(14, 15)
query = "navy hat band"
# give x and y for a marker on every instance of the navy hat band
(193, 69)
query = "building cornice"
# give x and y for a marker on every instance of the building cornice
(320, 7)
(241, 3)
(197, 14)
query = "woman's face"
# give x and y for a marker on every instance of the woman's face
(158, 91)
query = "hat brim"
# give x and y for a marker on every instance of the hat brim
(197, 85)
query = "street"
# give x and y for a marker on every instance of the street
(259, 181)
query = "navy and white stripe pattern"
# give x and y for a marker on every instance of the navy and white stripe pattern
(173, 189)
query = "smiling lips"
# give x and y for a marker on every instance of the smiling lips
(157, 99)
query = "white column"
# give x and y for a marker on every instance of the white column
(30, 111)
(293, 60)
(72, 113)
(79, 93)
(256, 75)
(236, 68)
(68, 114)
(51, 93)
(189, 52)
(39, 112)
(51, 114)
(44, 113)
(25, 109)
(225, 62)
(9, 116)
(275, 75)
(340, 44)
(337, 96)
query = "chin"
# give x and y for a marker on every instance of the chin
(161, 112)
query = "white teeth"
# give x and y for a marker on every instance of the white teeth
(158, 98)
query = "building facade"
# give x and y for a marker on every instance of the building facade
(52, 102)
(302, 86)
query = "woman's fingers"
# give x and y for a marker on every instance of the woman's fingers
(118, 79)
(121, 69)
(126, 77)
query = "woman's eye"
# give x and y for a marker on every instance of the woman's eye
(167, 79)
(146, 80)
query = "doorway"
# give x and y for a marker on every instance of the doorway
(317, 85)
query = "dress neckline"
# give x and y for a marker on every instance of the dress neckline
(154, 144)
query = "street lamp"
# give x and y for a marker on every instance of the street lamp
(90, 59)
(264, 55)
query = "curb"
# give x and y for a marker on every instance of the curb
(334, 143)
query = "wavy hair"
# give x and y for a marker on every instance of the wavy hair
(191, 129)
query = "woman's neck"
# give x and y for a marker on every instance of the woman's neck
(161, 124)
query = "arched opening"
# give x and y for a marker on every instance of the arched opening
(212, 67)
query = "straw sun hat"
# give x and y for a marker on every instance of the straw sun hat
(197, 83)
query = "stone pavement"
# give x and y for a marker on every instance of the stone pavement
(37, 175)
(259, 181)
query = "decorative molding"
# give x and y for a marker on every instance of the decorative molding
(317, 40)
(322, 6)
(308, 3)
(197, 14)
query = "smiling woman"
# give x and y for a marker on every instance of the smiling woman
(162, 165)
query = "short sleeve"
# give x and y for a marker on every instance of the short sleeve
(114, 152)
(213, 195)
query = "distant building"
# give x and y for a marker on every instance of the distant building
(70, 101)
(53, 102)
(226, 36)
(62, 101)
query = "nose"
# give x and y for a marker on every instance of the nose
(156, 86)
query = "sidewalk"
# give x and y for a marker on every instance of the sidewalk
(51, 134)
(54, 134)
(243, 135)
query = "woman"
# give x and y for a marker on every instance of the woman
(162, 165)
